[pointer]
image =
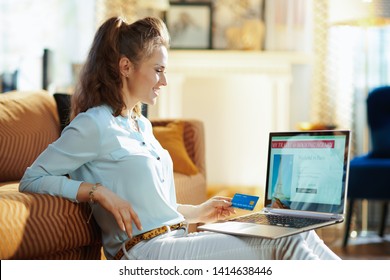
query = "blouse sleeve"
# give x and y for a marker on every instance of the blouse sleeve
(78, 144)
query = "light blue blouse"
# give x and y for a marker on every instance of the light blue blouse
(97, 147)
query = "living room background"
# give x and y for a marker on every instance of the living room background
(67, 27)
(325, 83)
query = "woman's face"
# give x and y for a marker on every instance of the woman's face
(146, 80)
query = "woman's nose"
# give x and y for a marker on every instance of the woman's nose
(163, 80)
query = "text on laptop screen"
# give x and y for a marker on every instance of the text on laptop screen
(307, 171)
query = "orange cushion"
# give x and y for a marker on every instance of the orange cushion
(171, 138)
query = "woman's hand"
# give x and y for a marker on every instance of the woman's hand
(214, 209)
(118, 207)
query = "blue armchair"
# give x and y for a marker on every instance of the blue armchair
(369, 174)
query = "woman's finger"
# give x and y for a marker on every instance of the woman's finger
(119, 220)
(126, 218)
(135, 219)
(222, 203)
(222, 198)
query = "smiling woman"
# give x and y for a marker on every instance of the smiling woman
(115, 162)
(125, 67)
(143, 81)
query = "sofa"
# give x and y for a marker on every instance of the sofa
(41, 226)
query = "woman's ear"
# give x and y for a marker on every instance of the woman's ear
(125, 66)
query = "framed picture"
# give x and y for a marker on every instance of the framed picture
(189, 24)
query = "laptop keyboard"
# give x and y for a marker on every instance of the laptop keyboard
(278, 220)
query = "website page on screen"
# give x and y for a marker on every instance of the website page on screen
(306, 170)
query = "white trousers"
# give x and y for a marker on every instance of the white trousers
(177, 245)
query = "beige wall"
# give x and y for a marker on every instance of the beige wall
(240, 97)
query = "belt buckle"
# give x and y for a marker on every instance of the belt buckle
(168, 229)
(181, 226)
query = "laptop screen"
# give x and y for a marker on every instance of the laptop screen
(308, 170)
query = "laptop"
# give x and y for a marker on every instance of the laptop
(306, 186)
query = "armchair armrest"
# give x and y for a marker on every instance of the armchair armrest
(41, 226)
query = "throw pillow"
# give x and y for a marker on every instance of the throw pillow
(171, 138)
(63, 107)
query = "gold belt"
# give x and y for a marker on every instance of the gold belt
(146, 236)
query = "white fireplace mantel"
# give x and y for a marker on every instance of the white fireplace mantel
(273, 68)
(234, 61)
(238, 95)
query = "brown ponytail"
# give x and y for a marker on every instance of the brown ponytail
(100, 81)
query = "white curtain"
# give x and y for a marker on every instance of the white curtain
(27, 27)
(288, 25)
(359, 60)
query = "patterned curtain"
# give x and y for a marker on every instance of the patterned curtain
(322, 101)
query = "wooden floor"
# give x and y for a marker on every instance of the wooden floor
(366, 246)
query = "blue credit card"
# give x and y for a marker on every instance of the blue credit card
(244, 201)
